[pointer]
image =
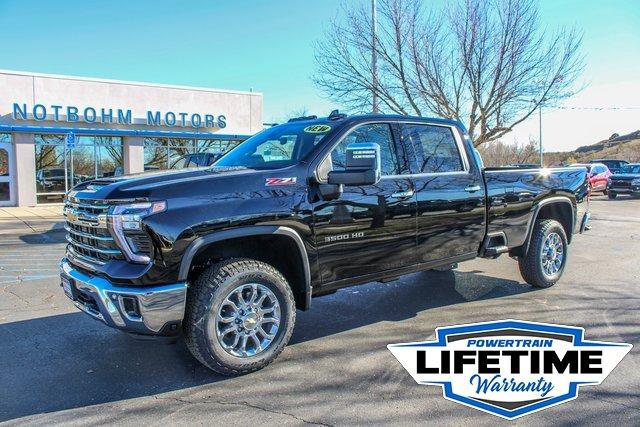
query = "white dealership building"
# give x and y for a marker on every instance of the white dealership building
(56, 131)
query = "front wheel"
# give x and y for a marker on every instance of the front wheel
(546, 258)
(611, 194)
(240, 315)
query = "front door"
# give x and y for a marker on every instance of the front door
(7, 197)
(449, 191)
(369, 228)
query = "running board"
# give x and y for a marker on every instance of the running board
(493, 245)
(495, 251)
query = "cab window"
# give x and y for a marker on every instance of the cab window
(378, 133)
(435, 147)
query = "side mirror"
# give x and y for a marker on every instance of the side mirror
(362, 166)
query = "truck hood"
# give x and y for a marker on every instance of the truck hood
(142, 185)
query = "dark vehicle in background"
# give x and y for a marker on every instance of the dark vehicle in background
(615, 166)
(625, 182)
(598, 175)
(195, 160)
(227, 254)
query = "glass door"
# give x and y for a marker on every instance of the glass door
(7, 197)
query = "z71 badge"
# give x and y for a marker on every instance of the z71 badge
(280, 181)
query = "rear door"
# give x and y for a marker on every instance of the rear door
(370, 228)
(450, 193)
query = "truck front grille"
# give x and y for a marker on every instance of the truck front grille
(620, 183)
(89, 240)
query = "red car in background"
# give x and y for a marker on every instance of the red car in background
(598, 174)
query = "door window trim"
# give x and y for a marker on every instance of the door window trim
(466, 168)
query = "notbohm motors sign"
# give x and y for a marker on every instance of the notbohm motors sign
(510, 368)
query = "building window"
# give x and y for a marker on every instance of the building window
(59, 169)
(176, 153)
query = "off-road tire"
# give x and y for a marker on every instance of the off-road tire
(611, 195)
(204, 298)
(531, 264)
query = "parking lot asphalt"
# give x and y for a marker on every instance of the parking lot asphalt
(60, 366)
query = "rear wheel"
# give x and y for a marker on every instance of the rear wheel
(611, 194)
(546, 258)
(240, 315)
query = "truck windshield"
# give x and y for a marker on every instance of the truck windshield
(277, 147)
(635, 169)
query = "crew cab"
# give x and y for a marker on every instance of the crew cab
(225, 255)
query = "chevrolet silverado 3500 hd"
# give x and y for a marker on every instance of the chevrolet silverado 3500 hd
(226, 254)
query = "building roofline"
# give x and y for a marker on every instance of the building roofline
(125, 82)
(119, 132)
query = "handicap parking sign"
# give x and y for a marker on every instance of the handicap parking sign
(70, 140)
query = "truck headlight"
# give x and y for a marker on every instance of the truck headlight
(635, 181)
(127, 218)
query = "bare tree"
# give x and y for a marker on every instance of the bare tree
(497, 153)
(486, 63)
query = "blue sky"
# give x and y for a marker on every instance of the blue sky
(268, 46)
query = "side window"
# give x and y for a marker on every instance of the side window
(378, 133)
(436, 148)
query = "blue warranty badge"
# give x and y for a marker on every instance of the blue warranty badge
(510, 368)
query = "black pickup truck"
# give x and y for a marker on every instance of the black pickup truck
(226, 254)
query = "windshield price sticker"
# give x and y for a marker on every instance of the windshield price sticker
(510, 368)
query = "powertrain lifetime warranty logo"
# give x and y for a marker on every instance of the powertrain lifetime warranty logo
(510, 368)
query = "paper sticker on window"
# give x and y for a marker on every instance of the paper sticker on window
(317, 129)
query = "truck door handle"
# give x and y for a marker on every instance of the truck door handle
(472, 188)
(402, 194)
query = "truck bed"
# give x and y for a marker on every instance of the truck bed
(514, 193)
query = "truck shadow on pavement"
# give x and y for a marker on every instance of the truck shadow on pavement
(53, 236)
(71, 361)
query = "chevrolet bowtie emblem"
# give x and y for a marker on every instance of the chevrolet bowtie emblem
(72, 215)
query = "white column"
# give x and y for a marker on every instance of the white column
(133, 154)
(25, 178)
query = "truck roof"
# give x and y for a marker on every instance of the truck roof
(343, 118)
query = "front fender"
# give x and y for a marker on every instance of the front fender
(257, 230)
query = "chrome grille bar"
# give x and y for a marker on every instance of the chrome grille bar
(87, 235)
(93, 248)
(89, 242)
(85, 261)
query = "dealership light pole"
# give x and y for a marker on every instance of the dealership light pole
(374, 71)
